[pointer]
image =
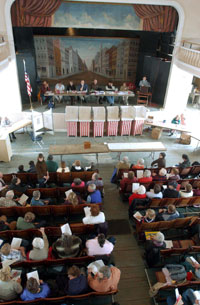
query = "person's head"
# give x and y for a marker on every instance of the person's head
(40, 158)
(162, 172)
(5, 249)
(162, 155)
(5, 274)
(91, 188)
(172, 185)
(32, 285)
(141, 190)
(45, 83)
(29, 217)
(31, 163)
(131, 175)
(104, 272)
(185, 157)
(159, 237)
(73, 199)
(38, 243)
(188, 188)
(95, 176)
(110, 83)
(77, 163)
(71, 83)
(95, 210)
(147, 173)
(174, 171)
(50, 158)
(82, 82)
(144, 77)
(101, 239)
(73, 272)
(77, 181)
(125, 160)
(36, 195)
(21, 168)
(157, 188)
(140, 162)
(150, 214)
(10, 195)
(1, 175)
(124, 84)
(16, 181)
(62, 164)
(95, 81)
(171, 209)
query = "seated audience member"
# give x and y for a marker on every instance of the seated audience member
(110, 98)
(99, 246)
(161, 161)
(3, 185)
(168, 214)
(4, 225)
(78, 183)
(42, 171)
(91, 168)
(140, 193)
(77, 282)
(124, 164)
(35, 201)
(188, 297)
(152, 249)
(174, 174)
(170, 191)
(32, 168)
(67, 246)
(95, 180)
(95, 217)
(76, 167)
(185, 163)
(73, 199)
(52, 166)
(26, 222)
(59, 88)
(7, 253)
(35, 290)
(105, 280)
(196, 192)
(150, 216)
(63, 168)
(16, 185)
(94, 194)
(9, 288)
(40, 247)
(139, 165)
(156, 192)
(161, 176)
(21, 169)
(146, 177)
(8, 201)
(188, 192)
(125, 181)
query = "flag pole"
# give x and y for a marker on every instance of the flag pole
(30, 100)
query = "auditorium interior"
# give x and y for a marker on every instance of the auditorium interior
(117, 43)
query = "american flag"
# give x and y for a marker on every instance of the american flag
(27, 80)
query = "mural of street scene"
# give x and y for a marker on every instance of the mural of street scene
(61, 57)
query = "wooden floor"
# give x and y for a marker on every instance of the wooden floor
(133, 287)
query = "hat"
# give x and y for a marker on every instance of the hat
(38, 243)
(173, 184)
(141, 190)
(159, 237)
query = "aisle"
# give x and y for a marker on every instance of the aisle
(133, 288)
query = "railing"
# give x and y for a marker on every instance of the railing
(189, 53)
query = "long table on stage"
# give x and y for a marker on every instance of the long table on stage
(73, 149)
(170, 126)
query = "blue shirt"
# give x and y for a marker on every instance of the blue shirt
(36, 202)
(94, 197)
(78, 285)
(28, 296)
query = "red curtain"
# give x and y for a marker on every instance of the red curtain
(34, 13)
(157, 18)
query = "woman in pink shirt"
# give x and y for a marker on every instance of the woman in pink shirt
(99, 246)
(78, 183)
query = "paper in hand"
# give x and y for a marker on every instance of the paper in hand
(22, 199)
(135, 187)
(65, 229)
(68, 192)
(87, 211)
(16, 242)
(33, 274)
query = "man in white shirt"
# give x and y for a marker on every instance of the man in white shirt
(59, 88)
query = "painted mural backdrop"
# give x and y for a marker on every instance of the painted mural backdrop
(61, 57)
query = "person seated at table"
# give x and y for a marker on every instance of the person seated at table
(63, 168)
(42, 171)
(105, 280)
(8, 201)
(95, 216)
(110, 87)
(99, 246)
(161, 176)
(144, 82)
(44, 88)
(67, 246)
(9, 287)
(161, 161)
(40, 247)
(186, 161)
(35, 290)
(152, 249)
(168, 214)
(16, 185)
(76, 166)
(126, 181)
(174, 174)
(95, 180)
(188, 192)
(124, 88)
(7, 253)
(156, 192)
(139, 165)
(124, 164)
(32, 168)
(52, 166)
(3, 185)
(70, 88)
(82, 87)
(78, 183)
(146, 177)
(21, 169)
(176, 120)
(94, 194)
(140, 193)
(26, 222)
(5, 225)
(94, 86)
(74, 199)
(36, 201)
(171, 190)
(59, 88)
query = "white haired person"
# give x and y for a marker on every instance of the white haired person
(96, 180)
(40, 247)
(153, 247)
(161, 176)
(139, 165)
(146, 177)
(8, 201)
(140, 193)
(124, 164)
(94, 194)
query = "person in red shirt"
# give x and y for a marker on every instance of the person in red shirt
(139, 165)
(140, 193)
(126, 181)
(146, 177)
